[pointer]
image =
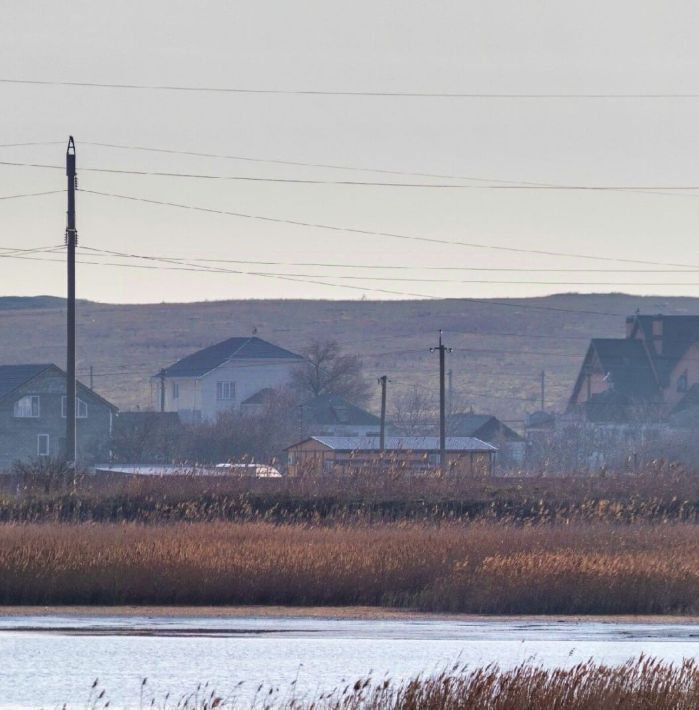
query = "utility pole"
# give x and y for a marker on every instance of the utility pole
(451, 392)
(442, 349)
(71, 242)
(92, 377)
(161, 375)
(543, 390)
(383, 380)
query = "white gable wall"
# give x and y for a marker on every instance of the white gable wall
(199, 395)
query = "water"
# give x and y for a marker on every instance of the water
(50, 660)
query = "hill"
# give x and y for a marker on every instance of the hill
(500, 346)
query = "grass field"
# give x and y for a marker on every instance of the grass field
(498, 354)
(482, 568)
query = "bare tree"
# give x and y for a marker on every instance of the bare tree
(414, 413)
(328, 371)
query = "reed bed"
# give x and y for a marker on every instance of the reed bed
(662, 495)
(489, 568)
(639, 683)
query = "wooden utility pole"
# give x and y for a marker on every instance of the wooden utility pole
(161, 375)
(383, 380)
(71, 242)
(543, 390)
(442, 349)
(451, 392)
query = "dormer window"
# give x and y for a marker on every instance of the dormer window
(27, 407)
(683, 382)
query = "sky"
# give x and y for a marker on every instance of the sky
(456, 235)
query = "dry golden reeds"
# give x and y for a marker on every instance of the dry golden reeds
(478, 568)
(639, 683)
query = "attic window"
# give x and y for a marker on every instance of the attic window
(682, 382)
(27, 407)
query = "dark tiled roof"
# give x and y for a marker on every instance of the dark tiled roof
(261, 397)
(332, 409)
(678, 334)
(627, 365)
(14, 376)
(203, 361)
(482, 426)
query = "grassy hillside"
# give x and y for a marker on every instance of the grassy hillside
(499, 350)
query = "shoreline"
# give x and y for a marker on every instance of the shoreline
(350, 613)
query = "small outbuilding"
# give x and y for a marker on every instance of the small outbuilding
(417, 454)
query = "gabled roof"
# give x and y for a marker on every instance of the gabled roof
(203, 361)
(678, 334)
(330, 409)
(625, 363)
(482, 426)
(400, 443)
(14, 376)
(260, 397)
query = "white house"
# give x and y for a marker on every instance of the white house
(223, 376)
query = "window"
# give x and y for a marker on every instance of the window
(27, 406)
(42, 445)
(80, 408)
(175, 390)
(683, 382)
(225, 391)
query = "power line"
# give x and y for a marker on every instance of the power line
(502, 185)
(349, 93)
(31, 194)
(296, 163)
(28, 143)
(376, 233)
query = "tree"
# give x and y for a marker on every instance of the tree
(414, 413)
(328, 371)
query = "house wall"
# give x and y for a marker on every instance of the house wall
(313, 458)
(689, 363)
(18, 436)
(197, 396)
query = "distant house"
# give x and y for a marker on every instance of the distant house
(486, 427)
(224, 376)
(332, 415)
(642, 376)
(318, 455)
(33, 411)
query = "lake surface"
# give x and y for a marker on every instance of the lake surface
(51, 660)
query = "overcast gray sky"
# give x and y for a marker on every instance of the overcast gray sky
(505, 46)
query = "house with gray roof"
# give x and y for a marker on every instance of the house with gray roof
(33, 416)
(224, 376)
(644, 375)
(511, 446)
(341, 455)
(332, 415)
